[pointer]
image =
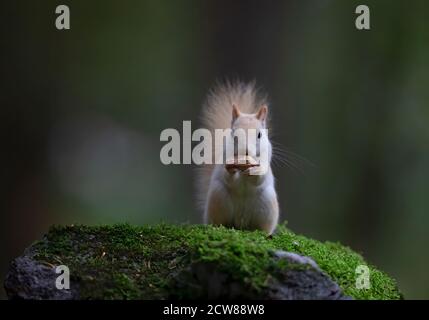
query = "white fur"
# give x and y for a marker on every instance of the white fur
(234, 198)
(248, 202)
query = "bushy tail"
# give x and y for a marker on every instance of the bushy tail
(217, 114)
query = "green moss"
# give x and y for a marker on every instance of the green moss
(131, 262)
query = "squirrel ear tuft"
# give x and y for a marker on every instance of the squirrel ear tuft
(235, 112)
(262, 113)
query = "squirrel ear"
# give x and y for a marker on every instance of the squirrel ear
(235, 112)
(262, 113)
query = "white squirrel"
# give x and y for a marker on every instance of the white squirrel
(229, 196)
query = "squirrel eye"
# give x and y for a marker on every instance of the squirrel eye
(259, 135)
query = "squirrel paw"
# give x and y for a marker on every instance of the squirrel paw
(254, 171)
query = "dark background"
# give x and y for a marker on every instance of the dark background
(82, 111)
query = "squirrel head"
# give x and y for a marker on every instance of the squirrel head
(253, 125)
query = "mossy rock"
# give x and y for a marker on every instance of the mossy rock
(176, 261)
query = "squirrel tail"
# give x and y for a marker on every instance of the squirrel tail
(217, 114)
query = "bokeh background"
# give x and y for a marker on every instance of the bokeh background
(82, 111)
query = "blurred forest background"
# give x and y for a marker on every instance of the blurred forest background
(82, 111)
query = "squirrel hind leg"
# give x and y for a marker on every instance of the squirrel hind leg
(269, 221)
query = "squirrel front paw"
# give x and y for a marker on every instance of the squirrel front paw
(254, 171)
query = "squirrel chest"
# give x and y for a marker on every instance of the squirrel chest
(245, 204)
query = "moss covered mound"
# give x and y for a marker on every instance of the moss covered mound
(135, 262)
